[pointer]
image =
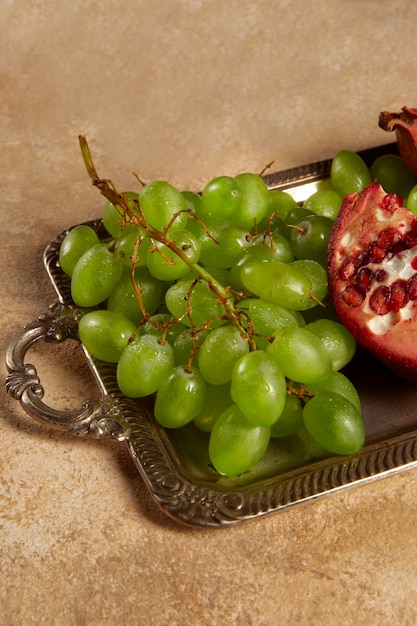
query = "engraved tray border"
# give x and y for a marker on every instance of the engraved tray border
(179, 493)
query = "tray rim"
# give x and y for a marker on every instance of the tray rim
(200, 503)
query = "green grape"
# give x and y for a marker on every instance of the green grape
(186, 342)
(143, 366)
(411, 201)
(165, 264)
(267, 317)
(219, 352)
(221, 197)
(293, 217)
(261, 251)
(337, 383)
(221, 241)
(112, 219)
(220, 274)
(334, 423)
(163, 326)
(156, 325)
(193, 201)
(95, 276)
(236, 444)
(325, 202)
(124, 300)
(280, 203)
(273, 224)
(392, 174)
(79, 239)
(105, 334)
(259, 387)
(288, 453)
(337, 340)
(258, 252)
(183, 344)
(163, 206)
(172, 330)
(301, 354)
(277, 282)
(313, 450)
(180, 397)
(318, 276)
(126, 244)
(194, 303)
(230, 241)
(254, 203)
(291, 419)
(310, 238)
(278, 243)
(216, 401)
(206, 230)
(349, 173)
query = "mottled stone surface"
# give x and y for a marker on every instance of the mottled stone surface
(182, 90)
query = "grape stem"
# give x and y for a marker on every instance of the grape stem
(109, 191)
(137, 288)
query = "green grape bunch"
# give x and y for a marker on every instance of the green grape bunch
(216, 306)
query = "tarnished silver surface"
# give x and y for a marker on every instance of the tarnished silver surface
(176, 469)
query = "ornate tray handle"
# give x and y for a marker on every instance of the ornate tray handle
(95, 417)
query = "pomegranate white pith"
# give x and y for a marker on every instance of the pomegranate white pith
(372, 265)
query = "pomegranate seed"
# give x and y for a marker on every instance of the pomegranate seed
(380, 275)
(414, 225)
(379, 301)
(377, 253)
(410, 240)
(414, 263)
(364, 278)
(412, 287)
(353, 296)
(388, 238)
(398, 295)
(363, 258)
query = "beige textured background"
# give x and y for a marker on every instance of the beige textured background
(183, 90)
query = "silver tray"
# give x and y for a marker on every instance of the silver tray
(175, 466)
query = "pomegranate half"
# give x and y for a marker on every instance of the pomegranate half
(372, 266)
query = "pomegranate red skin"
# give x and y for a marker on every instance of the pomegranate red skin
(361, 276)
(404, 123)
